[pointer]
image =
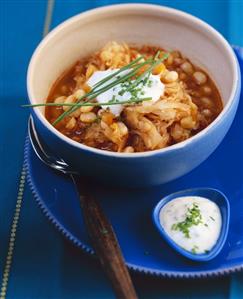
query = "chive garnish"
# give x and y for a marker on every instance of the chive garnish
(148, 71)
(99, 87)
(93, 94)
(194, 249)
(112, 102)
(193, 217)
(122, 69)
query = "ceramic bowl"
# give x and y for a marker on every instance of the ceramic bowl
(212, 194)
(136, 24)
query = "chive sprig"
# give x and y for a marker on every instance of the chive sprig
(100, 86)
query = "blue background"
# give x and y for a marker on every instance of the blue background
(44, 264)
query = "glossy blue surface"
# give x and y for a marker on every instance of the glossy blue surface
(130, 210)
(154, 167)
(216, 196)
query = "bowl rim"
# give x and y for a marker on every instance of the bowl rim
(216, 249)
(146, 8)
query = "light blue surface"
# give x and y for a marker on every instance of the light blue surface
(212, 194)
(44, 264)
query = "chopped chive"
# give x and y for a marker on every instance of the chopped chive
(193, 217)
(194, 249)
(118, 72)
(148, 71)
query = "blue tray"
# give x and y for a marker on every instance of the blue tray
(130, 211)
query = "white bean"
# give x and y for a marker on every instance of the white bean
(79, 93)
(85, 109)
(170, 77)
(88, 117)
(71, 123)
(200, 78)
(187, 122)
(69, 100)
(207, 90)
(206, 102)
(60, 100)
(76, 113)
(187, 67)
(128, 149)
(207, 112)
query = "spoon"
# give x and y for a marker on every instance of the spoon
(212, 194)
(99, 228)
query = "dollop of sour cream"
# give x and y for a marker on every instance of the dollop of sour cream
(194, 223)
(154, 89)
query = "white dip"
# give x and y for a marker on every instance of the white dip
(153, 89)
(194, 223)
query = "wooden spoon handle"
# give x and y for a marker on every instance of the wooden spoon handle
(105, 243)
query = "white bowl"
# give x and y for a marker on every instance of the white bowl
(136, 24)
